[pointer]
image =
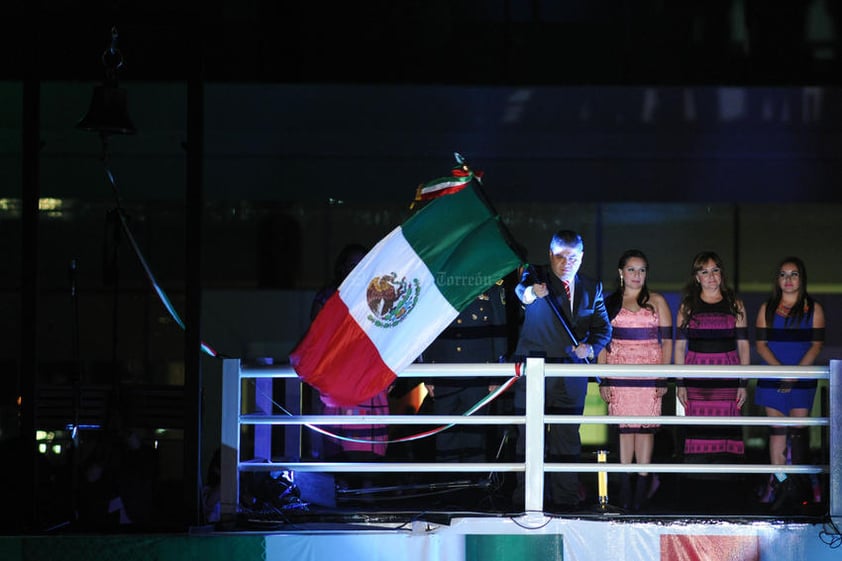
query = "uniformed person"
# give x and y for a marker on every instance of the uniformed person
(479, 334)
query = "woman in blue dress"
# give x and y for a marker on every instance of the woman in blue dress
(790, 331)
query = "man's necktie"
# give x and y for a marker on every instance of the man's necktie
(567, 291)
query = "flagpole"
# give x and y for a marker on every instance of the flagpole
(517, 248)
(551, 302)
(510, 239)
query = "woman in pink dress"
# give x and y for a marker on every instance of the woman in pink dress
(642, 322)
(712, 330)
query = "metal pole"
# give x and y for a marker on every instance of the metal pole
(194, 205)
(834, 504)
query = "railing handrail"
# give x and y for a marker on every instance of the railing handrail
(503, 370)
(513, 467)
(489, 419)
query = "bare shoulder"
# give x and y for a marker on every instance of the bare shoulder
(658, 300)
(818, 315)
(657, 297)
(662, 307)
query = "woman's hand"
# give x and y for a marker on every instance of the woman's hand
(605, 393)
(741, 396)
(681, 394)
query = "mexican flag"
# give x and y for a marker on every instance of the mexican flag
(401, 296)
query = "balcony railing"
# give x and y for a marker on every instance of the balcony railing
(233, 419)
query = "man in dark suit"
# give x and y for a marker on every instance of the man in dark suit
(547, 293)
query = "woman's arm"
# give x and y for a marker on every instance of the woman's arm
(762, 345)
(818, 323)
(604, 388)
(665, 323)
(743, 347)
(680, 352)
(680, 341)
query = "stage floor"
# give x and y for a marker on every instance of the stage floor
(464, 520)
(448, 536)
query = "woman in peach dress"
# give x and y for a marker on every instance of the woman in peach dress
(642, 322)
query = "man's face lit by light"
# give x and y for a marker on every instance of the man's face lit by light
(565, 261)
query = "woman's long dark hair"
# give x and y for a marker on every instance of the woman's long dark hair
(614, 301)
(803, 305)
(692, 298)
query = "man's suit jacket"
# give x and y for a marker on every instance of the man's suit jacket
(542, 333)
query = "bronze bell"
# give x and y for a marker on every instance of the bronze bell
(107, 113)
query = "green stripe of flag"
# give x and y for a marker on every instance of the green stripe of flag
(461, 241)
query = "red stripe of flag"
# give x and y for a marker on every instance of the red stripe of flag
(348, 350)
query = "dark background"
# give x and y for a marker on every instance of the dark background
(435, 41)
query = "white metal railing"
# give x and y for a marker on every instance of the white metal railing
(533, 466)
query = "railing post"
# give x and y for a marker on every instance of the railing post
(533, 479)
(229, 469)
(835, 440)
